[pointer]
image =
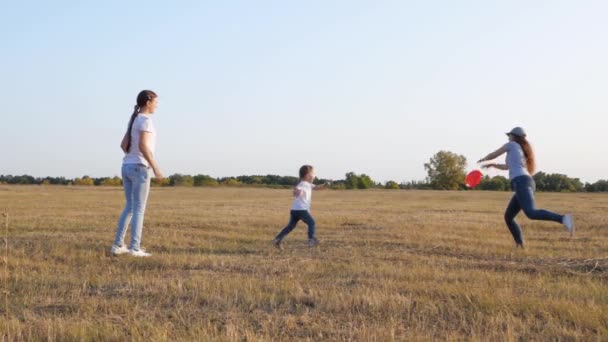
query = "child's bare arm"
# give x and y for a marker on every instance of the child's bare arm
(322, 186)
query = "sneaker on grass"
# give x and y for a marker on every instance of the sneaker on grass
(118, 250)
(568, 222)
(139, 253)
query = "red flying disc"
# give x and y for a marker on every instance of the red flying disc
(473, 178)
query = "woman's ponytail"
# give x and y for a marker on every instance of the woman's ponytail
(528, 153)
(142, 100)
(133, 116)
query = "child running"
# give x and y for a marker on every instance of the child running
(300, 209)
(520, 163)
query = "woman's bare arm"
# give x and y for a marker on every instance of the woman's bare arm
(144, 147)
(123, 143)
(494, 155)
(497, 166)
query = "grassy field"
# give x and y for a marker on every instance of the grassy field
(393, 265)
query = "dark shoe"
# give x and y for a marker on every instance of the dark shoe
(277, 243)
(313, 242)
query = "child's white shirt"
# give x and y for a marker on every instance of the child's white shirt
(303, 199)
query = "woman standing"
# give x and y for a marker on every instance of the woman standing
(520, 163)
(138, 144)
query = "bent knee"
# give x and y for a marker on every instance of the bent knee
(531, 214)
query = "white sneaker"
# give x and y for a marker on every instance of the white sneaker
(568, 222)
(139, 253)
(118, 250)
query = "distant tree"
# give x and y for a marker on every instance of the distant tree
(56, 180)
(599, 186)
(446, 170)
(247, 179)
(282, 181)
(114, 181)
(497, 183)
(557, 183)
(204, 180)
(415, 185)
(338, 185)
(85, 180)
(365, 182)
(319, 181)
(354, 181)
(160, 182)
(230, 181)
(181, 180)
(391, 185)
(21, 180)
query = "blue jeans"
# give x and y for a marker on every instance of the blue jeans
(524, 187)
(295, 216)
(136, 182)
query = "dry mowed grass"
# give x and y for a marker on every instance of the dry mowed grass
(393, 265)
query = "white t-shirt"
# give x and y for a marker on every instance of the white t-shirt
(302, 201)
(516, 160)
(142, 123)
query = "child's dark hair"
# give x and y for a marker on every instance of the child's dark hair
(304, 170)
(142, 99)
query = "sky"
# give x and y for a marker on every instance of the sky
(262, 87)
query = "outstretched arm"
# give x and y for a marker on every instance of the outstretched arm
(297, 192)
(497, 166)
(494, 155)
(322, 186)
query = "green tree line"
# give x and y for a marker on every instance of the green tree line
(544, 182)
(445, 171)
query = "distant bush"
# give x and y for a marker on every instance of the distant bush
(355, 181)
(181, 180)
(497, 183)
(86, 180)
(230, 181)
(115, 181)
(204, 180)
(391, 185)
(162, 182)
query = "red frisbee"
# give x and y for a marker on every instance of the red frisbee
(473, 178)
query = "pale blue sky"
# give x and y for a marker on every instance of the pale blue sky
(261, 87)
